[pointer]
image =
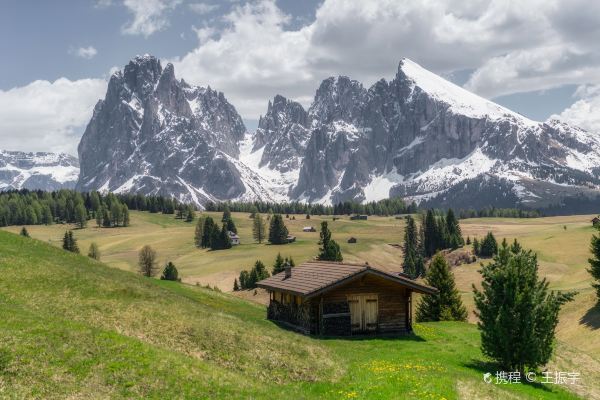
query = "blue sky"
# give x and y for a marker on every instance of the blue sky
(539, 59)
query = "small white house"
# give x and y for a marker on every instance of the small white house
(235, 239)
(308, 229)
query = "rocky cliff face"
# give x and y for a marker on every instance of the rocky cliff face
(158, 135)
(417, 136)
(44, 171)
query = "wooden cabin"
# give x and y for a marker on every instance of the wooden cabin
(359, 217)
(338, 299)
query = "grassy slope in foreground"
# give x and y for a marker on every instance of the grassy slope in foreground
(72, 327)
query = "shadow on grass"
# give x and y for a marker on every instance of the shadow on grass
(399, 336)
(591, 319)
(492, 367)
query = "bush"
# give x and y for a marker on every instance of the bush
(170, 273)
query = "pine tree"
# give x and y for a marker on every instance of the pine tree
(125, 215)
(116, 213)
(106, 218)
(24, 232)
(66, 243)
(594, 261)
(190, 215)
(94, 251)
(236, 286)
(446, 305)
(476, 246)
(170, 273)
(278, 232)
(99, 214)
(468, 240)
(147, 261)
(224, 238)
(207, 232)
(517, 314)
(430, 244)
(226, 214)
(199, 232)
(488, 246)
(80, 216)
(215, 238)
(70, 243)
(244, 277)
(259, 228)
(279, 265)
(410, 248)
(231, 226)
(455, 239)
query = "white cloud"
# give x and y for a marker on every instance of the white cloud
(149, 16)
(512, 46)
(203, 8)
(585, 112)
(84, 52)
(48, 116)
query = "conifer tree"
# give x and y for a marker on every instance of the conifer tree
(99, 214)
(207, 232)
(430, 244)
(231, 225)
(517, 314)
(94, 251)
(594, 261)
(410, 248)
(329, 250)
(488, 246)
(215, 238)
(190, 215)
(170, 272)
(24, 232)
(446, 305)
(236, 286)
(199, 231)
(468, 240)
(455, 239)
(278, 232)
(476, 246)
(279, 265)
(147, 261)
(80, 216)
(226, 214)
(259, 229)
(244, 277)
(116, 213)
(224, 238)
(125, 215)
(106, 218)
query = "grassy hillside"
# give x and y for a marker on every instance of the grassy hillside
(75, 328)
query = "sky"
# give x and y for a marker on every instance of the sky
(539, 58)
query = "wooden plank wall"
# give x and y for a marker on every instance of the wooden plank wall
(392, 300)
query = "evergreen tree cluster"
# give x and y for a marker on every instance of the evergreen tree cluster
(517, 313)
(280, 263)
(26, 207)
(493, 212)
(440, 232)
(488, 247)
(70, 243)
(414, 259)
(594, 261)
(208, 235)
(248, 279)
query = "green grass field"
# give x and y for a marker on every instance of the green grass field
(75, 328)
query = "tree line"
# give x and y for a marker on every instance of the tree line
(493, 212)
(25, 207)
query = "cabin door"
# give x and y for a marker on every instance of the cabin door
(364, 310)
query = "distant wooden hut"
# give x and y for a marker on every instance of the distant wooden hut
(352, 240)
(359, 217)
(336, 299)
(291, 238)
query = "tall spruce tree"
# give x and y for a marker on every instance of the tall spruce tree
(259, 229)
(329, 250)
(231, 225)
(226, 214)
(80, 216)
(411, 248)
(488, 246)
(594, 261)
(224, 238)
(446, 305)
(455, 239)
(199, 231)
(517, 314)
(430, 234)
(207, 232)
(278, 232)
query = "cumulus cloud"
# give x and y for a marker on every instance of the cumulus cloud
(585, 112)
(203, 8)
(149, 16)
(48, 116)
(511, 46)
(84, 52)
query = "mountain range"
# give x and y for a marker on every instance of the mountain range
(417, 136)
(46, 171)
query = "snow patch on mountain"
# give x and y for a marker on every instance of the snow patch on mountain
(46, 171)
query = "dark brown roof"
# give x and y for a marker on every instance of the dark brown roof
(314, 277)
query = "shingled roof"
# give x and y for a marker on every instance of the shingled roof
(314, 277)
